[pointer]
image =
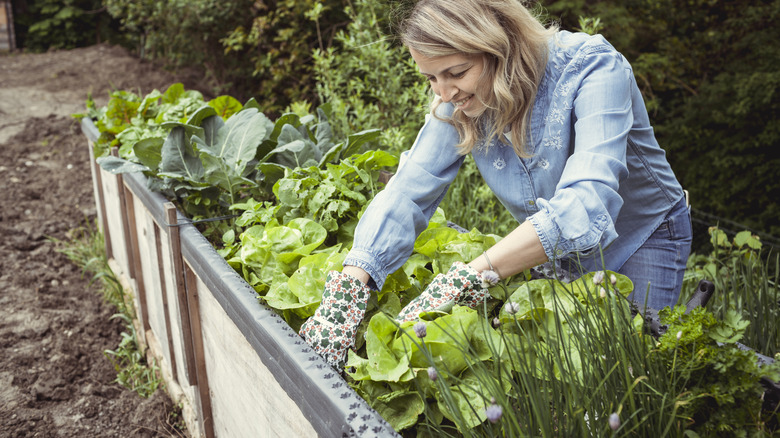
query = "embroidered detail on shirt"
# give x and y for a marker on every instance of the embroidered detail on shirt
(564, 89)
(556, 114)
(554, 141)
(543, 163)
(499, 163)
(481, 146)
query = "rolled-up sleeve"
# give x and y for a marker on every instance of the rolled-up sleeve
(581, 214)
(385, 235)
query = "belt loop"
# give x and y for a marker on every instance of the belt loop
(687, 199)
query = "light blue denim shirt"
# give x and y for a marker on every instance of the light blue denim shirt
(598, 182)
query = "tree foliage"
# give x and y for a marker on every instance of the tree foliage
(61, 24)
(707, 69)
(369, 78)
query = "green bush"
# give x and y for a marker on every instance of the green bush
(62, 24)
(370, 80)
(188, 33)
(278, 45)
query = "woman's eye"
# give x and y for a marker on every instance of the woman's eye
(459, 75)
(431, 78)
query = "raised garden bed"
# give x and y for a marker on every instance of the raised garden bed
(236, 367)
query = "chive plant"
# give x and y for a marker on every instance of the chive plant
(588, 368)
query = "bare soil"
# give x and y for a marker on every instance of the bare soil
(54, 325)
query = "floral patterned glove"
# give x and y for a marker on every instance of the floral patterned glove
(332, 329)
(462, 284)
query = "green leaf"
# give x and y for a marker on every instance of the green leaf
(446, 338)
(200, 114)
(238, 140)
(116, 165)
(293, 149)
(331, 155)
(252, 103)
(149, 152)
(179, 160)
(226, 149)
(148, 107)
(746, 238)
(356, 140)
(470, 401)
(173, 93)
(285, 119)
(271, 173)
(400, 408)
(225, 106)
(383, 364)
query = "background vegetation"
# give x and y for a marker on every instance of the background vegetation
(707, 68)
(708, 74)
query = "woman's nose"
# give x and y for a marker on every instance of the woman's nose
(447, 92)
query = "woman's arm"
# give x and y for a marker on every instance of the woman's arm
(519, 250)
(358, 273)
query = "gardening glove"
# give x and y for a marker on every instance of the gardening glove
(332, 329)
(462, 284)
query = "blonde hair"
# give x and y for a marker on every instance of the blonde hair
(514, 46)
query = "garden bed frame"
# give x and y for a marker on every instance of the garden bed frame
(236, 367)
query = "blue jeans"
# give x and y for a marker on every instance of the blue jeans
(657, 267)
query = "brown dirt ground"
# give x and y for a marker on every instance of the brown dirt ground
(54, 325)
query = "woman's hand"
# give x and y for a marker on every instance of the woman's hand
(332, 329)
(462, 285)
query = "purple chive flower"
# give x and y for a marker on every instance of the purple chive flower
(493, 413)
(614, 421)
(613, 279)
(496, 322)
(489, 278)
(511, 308)
(432, 373)
(598, 277)
(421, 330)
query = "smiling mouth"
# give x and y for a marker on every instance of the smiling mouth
(462, 102)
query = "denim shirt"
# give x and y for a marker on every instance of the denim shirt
(597, 182)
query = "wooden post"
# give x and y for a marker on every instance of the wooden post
(168, 331)
(125, 226)
(135, 260)
(102, 205)
(191, 282)
(174, 242)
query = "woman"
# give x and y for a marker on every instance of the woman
(557, 126)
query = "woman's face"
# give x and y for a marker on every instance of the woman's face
(454, 78)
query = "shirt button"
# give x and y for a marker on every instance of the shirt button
(531, 203)
(559, 252)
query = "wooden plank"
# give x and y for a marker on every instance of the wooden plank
(123, 216)
(191, 284)
(168, 330)
(174, 241)
(233, 364)
(135, 259)
(101, 203)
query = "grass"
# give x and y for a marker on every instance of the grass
(85, 248)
